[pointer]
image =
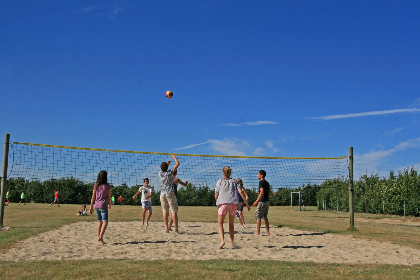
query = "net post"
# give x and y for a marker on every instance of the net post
(4, 177)
(351, 188)
(300, 204)
(291, 201)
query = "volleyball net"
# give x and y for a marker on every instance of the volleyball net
(45, 162)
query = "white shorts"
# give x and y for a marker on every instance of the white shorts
(169, 200)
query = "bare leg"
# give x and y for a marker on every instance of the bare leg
(258, 227)
(241, 215)
(99, 230)
(267, 227)
(148, 218)
(165, 222)
(170, 222)
(220, 221)
(103, 228)
(143, 215)
(175, 218)
(232, 230)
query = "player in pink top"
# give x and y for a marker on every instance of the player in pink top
(226, 195)
(101, 197)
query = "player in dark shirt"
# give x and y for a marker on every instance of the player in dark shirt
(262, 203)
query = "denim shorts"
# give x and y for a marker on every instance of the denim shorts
(147, 205)
(102, 214)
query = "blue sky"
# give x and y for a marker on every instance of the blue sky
(256, 78)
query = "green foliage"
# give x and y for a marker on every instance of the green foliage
(191, 196)
(375, 195)
(334, 194)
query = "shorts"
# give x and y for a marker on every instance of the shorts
(102, 214)
(169, 200)
(147, 205)
(23, 200)
(227, 207)
(57, 200)
(262, 211)
(240, 206)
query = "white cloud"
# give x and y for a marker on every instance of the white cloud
(229, 124)
(234, 147)
(89, 9)
(228, 147)
(371, 161)
(248, 123)
(116, 11)
(365, 114)
(416, 103)
(191, 146)
(104, 9)
(260, 123)
(269, 144)
(402, 168)
(394, 131)
(259, 151)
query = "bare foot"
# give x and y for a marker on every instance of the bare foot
(256, 234)
(221, 245)
(232, 245)
(245, 226)
(266, 234)
(170, 229)
(176, 230)
(102, 241)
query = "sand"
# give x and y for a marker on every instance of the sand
(200, 241)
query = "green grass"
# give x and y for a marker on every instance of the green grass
(214, 269)
(32, 219)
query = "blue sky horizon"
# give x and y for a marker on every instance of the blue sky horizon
(250, 78)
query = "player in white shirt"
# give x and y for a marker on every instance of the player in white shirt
(146, 200)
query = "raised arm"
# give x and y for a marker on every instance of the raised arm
(176, 162)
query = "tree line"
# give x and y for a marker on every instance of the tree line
(396, 194)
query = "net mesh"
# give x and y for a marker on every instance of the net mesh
(45, 162)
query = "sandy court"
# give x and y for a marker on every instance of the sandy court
(199, 241)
